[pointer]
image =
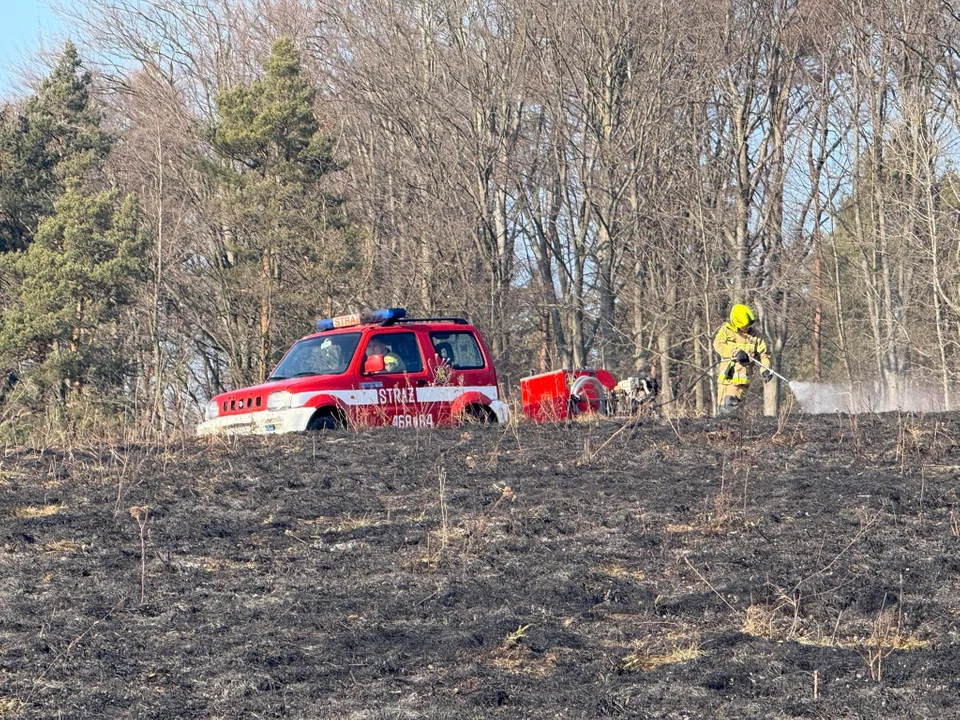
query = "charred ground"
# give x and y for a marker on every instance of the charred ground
(740, 569)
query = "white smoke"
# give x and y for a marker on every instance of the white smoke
(817, 398)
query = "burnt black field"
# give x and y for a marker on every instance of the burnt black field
(755, 568)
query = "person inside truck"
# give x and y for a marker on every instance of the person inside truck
(325, 357)
(445, 352)
(391, 361)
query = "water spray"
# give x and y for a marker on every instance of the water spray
(813, 397)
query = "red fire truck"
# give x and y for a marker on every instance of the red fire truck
(371, 368)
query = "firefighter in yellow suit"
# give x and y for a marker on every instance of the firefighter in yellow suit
(737, 343)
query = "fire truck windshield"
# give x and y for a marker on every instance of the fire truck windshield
(324, 355)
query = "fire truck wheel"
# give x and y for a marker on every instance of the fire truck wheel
(324, 420)
(479, 414)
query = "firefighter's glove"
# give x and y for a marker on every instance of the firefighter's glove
(766, 376)
(742, 357)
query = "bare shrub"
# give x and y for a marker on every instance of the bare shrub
(141, 514)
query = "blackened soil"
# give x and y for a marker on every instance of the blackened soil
(699, 569)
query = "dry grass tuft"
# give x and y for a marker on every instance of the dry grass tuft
(347, 523)
(515, 657)
(516, 636)
(215, 565)
(9, 706)
(886, 636)
(35, 511)
(618, 571)
(720, 512)
(759, 621)
(65, 546)
(875, 640)
(462, 535)
(437, 542)
(897, 640)
(211, 564)
(523, 661)
(645, 657)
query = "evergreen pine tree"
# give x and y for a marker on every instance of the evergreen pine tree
(269, 128)
(274, 210)
(55, 135)
(74, 251)
(74, 280)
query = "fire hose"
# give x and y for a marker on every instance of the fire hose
(577, 396)
(690, 387)
(770, 370)
(699, 377)
(599, 392)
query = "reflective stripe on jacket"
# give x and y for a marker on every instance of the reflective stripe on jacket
(727, 342)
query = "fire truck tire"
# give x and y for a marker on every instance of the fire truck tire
(479, 414)
(595, 401)
(325, 420)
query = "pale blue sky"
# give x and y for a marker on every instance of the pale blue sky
(24, 25)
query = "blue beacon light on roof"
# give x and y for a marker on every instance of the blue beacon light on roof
(386, 315)
(364, 318)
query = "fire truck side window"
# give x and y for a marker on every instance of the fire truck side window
(404, 346)
(459, 350)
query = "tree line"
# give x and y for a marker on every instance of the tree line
(593, 183)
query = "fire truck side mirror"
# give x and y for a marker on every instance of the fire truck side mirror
(373, 364)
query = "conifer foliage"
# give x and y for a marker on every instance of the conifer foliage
(271, 156)
(78, 248)
(56, 135)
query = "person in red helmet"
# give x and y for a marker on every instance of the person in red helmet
(738, 344)
(391, 361)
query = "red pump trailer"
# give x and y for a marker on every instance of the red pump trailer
(564, 394)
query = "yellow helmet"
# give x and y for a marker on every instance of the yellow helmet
(391, 363)
(741, 316)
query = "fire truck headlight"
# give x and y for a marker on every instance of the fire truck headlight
(212, 411)
(279, 400)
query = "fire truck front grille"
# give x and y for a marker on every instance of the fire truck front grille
(244, 403)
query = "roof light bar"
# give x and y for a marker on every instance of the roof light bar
(367, 317)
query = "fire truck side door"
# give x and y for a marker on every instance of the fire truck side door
(404, 371)
(457, 364)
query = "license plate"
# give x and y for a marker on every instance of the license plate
(269, 428)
